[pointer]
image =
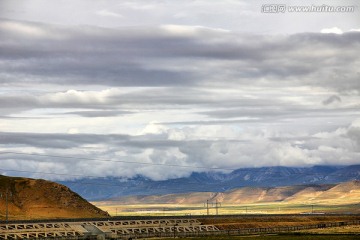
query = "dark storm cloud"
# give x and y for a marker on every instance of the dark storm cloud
(95, 114)
(68, 141)
(79, 56)
(35, 53)
(17, 101)
(275, 112)
(53, 140)
(213, 122)
(113, 102)
(331, 99)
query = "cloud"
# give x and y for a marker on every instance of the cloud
(331, 100)
(158, 57)
(335, 30)
(192, 31)
(24, 29)
(179, 94)
(101, 113)
(107, 13)
(196, 148)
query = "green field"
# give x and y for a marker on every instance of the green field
(340, 233)
(198, 209)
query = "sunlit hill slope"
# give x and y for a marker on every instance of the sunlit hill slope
(343, 193)
(34, 199)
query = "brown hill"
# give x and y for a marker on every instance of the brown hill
(181, 198)
(343, 193)
(236, 196)
(36, 199)
(348, 192)
(257, 195)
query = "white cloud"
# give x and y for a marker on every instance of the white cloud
(153, 128)
(24, 29)
(72, 98)
(108, 13)
(219, 147)
(73, 131)
(190, 31)
(335, 30)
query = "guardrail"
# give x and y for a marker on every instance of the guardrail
(250, 215)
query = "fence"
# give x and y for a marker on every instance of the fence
(232, 232)
(244, 231)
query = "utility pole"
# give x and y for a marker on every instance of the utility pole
(7, 205)
(7, 194)
(217, 205)
(207, 207)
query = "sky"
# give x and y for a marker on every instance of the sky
(165, 88)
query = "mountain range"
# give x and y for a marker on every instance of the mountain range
(342, 193)
(106, 188)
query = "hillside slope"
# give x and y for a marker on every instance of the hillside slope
(35, 199)
(343, 193)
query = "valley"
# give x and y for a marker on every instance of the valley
(316, 199)
(225, 209)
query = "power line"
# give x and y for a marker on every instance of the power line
(117, 161)
(51, 173)
(131, 162)
(141, 163)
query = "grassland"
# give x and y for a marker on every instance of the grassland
(200, 209)
(275, 237)
(251, 220)
(355, 229)
(341, 198)
(272, 221)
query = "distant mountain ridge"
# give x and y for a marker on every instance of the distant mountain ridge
(105, 188)
(343, 193)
